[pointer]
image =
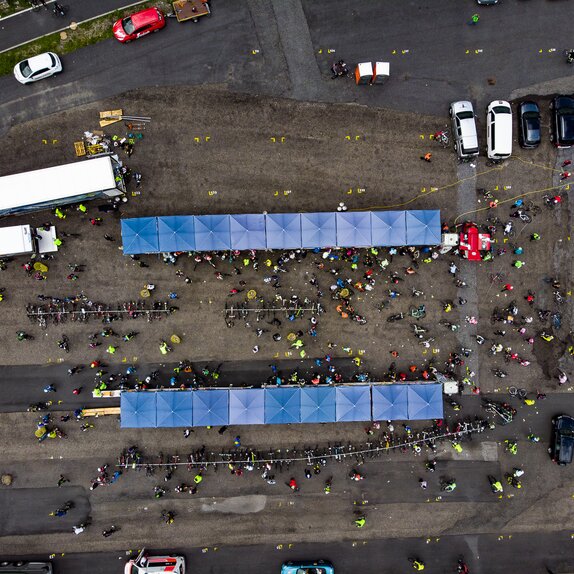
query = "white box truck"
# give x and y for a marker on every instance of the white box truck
(23, 240)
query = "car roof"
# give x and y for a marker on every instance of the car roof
(565, 422)
(462, 105)
(499, 103)
(40, 61)
(529, 106)
(564, 101)
(144, 17)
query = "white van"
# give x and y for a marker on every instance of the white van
(498, 130)
(464, 129)
(22, 240)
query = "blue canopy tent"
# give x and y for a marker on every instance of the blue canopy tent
(318, 230)
(138, 409)
(283, 230)
(388, 228)
(318, 405)
(282, 405)
(210, 408)
(176, 233)
(353, 403)
(212, 233)
(174, 409)
(248, 231)
(139, 235)
(423, 227)
(354, 229)
(246, 407)
(425, 401)
(389, 402)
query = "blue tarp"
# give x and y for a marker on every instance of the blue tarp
(283, 230)
(174, 409)
(210, 408)
(318, 230)
(423, 227)
(353, 403)
(282, 406)
(388, 228)
(318, 405)
(248, 231)
(138, 410)
(139, 235)
(176, 233)
(425, 402)
(389, 402)
(212, 233)
(354, 229)
(246, 407)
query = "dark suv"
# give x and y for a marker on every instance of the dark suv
(563, 121)
(562, 447)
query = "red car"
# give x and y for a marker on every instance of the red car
(139, 24)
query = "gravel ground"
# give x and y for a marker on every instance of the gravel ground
(368, 158)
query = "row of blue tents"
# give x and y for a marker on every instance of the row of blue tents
(280, 405)
(280, 231)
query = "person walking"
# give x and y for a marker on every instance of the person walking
(427, 157)
(360, 521)
(474, 19)
(62, 480)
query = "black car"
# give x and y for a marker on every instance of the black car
(562, 447)
(529, 120)
(563, 121)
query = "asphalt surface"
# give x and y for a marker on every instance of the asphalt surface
(245, 52)
(287, 37)
(485, 554)
(24, 385)
(30, 24)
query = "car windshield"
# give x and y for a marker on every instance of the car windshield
(501, 110)
(311, 571)
(465, 115)
(128, 26)
(25, 69)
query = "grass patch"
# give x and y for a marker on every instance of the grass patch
(10, 6)
(85, 34)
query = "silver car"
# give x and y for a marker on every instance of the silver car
(37, 68)
(464, 129)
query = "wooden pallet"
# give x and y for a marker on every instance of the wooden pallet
(80, 148)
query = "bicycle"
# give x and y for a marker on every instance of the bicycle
(59, 10)
(497, 277)
(485, 193)
(442, 138)
(513, 392)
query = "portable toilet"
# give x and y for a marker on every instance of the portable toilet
(382, 72)
(364, 73)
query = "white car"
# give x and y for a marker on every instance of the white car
(37, 68)
(145, 564)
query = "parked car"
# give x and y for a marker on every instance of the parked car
(464, 129)
(498, 130)
(562, 447)
(37, 68)
(145, 564)
(139, 24)
(529, 124)
(563, 121)
(307, 567)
